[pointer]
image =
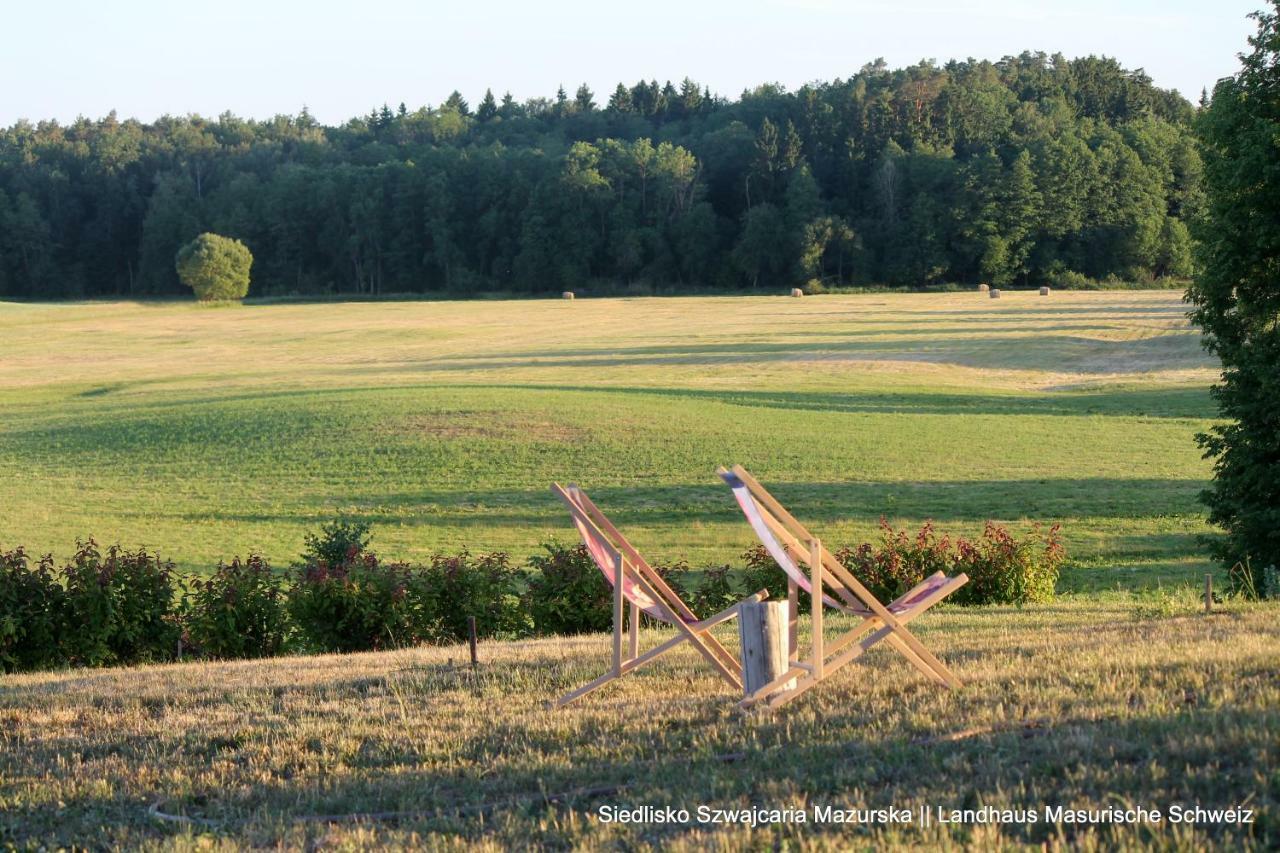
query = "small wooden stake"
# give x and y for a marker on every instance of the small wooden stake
(471, 632)
(763, 627)
(1208, 593)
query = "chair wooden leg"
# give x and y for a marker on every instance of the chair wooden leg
(619, 582)
(794, 672)
(575, 695)
(627, 666)
(815, 602)
(793, 615)
(708, 646)
(635, 629)
(874, 631)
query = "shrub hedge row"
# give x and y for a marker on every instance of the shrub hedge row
(122, 607)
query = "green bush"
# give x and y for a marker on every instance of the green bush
(337, 543)
(1001, 569)
(344, 599)
(568, 593)
(1005, 570)
(901, 561)
(762, 572)
(215, 267)
(239, 612)
(121, 607)
(714, 592)
(452, 588)
(360, 605)
(1072, 280)
(32, 613)
(1253, 584)
(676, 576)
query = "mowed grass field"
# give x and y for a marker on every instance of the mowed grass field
(1079, 705)
(207, 433)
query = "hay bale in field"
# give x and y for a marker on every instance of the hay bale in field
(1044, 291)
(983, 288)
(995, 294)
(568, 294)
(797, 292)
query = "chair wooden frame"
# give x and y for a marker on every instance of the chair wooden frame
(639, 588)
(831, 584)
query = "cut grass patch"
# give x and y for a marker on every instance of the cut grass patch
(1078, 704)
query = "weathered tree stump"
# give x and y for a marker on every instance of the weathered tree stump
(568, 294)
(797, 292)
(1044, 291)
(995, 293)
(764, 629)
(983, 288)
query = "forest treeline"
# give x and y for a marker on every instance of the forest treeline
(1034, 168)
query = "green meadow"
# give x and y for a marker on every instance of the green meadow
(209, 432)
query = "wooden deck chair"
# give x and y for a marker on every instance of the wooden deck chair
(830, 583)
(635, 583)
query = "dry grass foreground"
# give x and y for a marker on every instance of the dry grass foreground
(1078, 704)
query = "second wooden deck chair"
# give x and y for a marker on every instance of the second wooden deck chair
(830, 583)
(635, 583)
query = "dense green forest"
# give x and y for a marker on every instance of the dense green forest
(1031, 169)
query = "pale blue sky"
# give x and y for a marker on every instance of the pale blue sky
(149, 57)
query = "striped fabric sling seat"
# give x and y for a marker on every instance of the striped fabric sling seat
(638, 588)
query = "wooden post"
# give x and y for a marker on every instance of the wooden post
(763, 629)
(1208, 593)
(471, 633)
(815, 601)
(619, 578)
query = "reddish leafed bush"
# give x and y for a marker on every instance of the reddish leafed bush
(239, 612)
(1002, 569)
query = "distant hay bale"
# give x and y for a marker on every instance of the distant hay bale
(568, 294)
(983, 288)
(995, 294)
(797, 292)
(1044, 291)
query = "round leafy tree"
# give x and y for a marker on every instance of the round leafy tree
(215, 267)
